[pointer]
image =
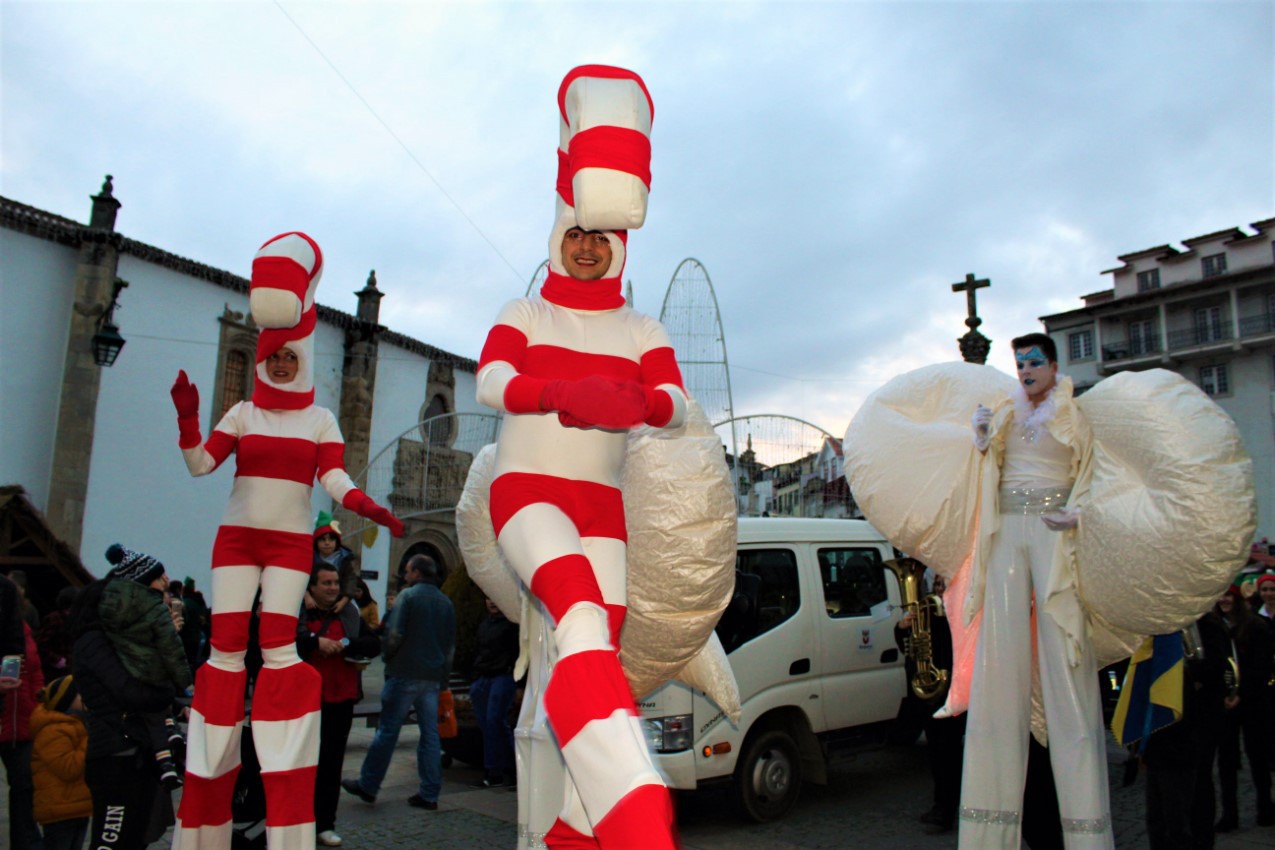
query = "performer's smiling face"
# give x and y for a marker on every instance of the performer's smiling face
(1036, 372)
(586, 254)
(281, 366)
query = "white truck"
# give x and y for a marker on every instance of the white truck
(810, 637)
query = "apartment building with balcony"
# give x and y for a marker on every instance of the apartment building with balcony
(1205, 310)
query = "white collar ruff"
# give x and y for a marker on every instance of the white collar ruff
(1032, 419)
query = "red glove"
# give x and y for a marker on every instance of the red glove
(359, 502)
(185, 397)
(186, 400)
(596, 402)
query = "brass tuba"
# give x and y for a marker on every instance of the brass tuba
(929, 682)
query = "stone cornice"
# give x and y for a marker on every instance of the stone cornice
(54, 228)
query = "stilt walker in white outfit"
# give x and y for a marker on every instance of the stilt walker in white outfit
(1037, 446)
(1068, 530)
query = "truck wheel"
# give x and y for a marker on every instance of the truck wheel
(768, 778)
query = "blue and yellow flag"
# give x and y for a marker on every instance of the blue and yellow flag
(1151, 697)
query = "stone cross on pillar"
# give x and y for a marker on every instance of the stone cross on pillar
(974, 346)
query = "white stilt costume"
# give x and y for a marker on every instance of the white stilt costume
(1148, 496)
(574, 370)
(281, 442)
(1036, 457)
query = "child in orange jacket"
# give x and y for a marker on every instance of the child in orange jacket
(63, 805)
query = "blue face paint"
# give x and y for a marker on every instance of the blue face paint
(1035, 372)
(1033, 357)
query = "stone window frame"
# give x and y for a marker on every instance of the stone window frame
(238, 335)
(441, 385)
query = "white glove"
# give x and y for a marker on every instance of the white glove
(981, 422)
(1064, 519)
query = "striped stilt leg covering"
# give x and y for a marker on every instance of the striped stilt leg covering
(285, 720)
(615, 797)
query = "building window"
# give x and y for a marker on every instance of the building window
(1149, 279)
(1142, 337)
(236, 362)
(234, 379)
(1080, 345)
(1214, 265)
(1208, 324)
(1214, 380)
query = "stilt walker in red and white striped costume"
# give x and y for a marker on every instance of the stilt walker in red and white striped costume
(573, 370)
(282, 442)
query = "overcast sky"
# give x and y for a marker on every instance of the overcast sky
(834, 166)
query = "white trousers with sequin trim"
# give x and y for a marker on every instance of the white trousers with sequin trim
(999, 724)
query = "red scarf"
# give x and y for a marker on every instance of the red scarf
(583, 294)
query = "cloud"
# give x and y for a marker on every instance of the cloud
(834, 166)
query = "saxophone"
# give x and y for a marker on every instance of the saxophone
(929, 682)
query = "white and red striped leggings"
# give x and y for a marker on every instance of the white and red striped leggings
(285, 703)
(566, 540)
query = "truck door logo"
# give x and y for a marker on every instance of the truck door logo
(865, 639)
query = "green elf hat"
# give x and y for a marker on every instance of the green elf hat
(325, 524)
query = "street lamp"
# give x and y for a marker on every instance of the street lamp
(107, 342)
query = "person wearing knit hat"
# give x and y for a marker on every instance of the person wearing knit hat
(136, 566)
(329, 549)
(63, 804)
(1266, 595)
(282, 442)
(140, 626)
(573, 371)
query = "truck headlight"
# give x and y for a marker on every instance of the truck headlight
(668, 734)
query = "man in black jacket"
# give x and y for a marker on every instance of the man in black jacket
(492, 694)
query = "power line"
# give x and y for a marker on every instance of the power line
(401, 143)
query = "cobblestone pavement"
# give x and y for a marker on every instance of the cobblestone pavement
(871, 802)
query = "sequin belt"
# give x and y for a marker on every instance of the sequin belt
(1033, 501)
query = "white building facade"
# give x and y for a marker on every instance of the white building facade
(95, 447)
(1205, 311)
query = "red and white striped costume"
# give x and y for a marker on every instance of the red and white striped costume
(558, 512)
(282, 442)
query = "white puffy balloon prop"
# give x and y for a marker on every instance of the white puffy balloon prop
(681, 525)
(1171, 512)
(483, 560)
(918, 426)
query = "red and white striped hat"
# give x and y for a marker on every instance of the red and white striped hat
(604, 160)
(285, 274)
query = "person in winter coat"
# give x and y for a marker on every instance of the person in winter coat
(54, 636)
(63, 805)
(130, 809)
(328, 549)
(141, 628)
(369, 611)
(1249, 716)
(492, 694)
(329, 638)
(15, 747)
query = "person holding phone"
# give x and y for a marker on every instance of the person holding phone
(12, 643)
